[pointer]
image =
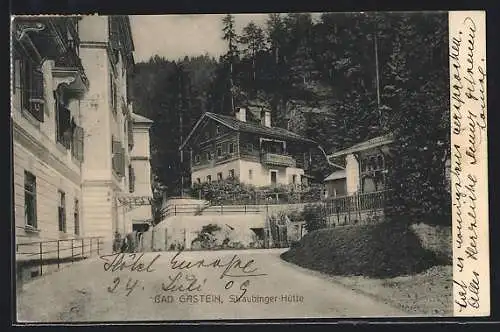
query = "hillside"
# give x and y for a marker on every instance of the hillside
(340, 80)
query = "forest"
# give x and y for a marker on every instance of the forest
(339, 80)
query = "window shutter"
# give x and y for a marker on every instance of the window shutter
(116, 146)
(114, 34)
(130, 134)
(122, 161)
(131, 179)
(78, 142)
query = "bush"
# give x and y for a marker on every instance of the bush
(206, 237)
(231, 191)
(315, 217)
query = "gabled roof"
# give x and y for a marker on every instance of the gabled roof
(248, 127)
(140, 119)
(369, 144)
(336, 175)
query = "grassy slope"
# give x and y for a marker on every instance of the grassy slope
(381, 251)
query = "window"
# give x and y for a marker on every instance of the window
(197, 158)
(231, 173)
(32, 96)
(219, 176)
(219, 151)
(250, 147)
(62, 211)
(209, 178)
(30, 200)
(209, 156)
(76, 215)
(294, 178)
(250, 174)
(217, 130)
(231, 147)
(64, 122)
(198, 180)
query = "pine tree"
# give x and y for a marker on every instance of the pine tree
(415, 83)
(254, 40)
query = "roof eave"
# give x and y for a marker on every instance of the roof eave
(361, 148)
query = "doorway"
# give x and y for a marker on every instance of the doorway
(274, 177)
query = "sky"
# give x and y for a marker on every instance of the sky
(174, 36)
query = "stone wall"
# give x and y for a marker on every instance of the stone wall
(355, 218)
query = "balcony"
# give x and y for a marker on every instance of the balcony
(278, 160)
(68, 69)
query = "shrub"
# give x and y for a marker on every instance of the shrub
(231, 191)
(206, 237)
(315, 217)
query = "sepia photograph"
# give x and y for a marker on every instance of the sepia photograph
(214, 167)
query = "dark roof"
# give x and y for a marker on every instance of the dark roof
(249, 127)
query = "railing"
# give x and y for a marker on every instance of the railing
(197, 209)
(70, 59)
(278, 159)
(50, 252)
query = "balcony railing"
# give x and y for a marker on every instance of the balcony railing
(278, 159)
(69, 64)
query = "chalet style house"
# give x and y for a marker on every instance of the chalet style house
(73, 125)
(365, 168)
(357, 192)
(251, 151)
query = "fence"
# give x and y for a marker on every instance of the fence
(356, 208)
(196, 209)
(357, 202)
(51, 252)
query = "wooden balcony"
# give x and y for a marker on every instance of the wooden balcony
(278, 160)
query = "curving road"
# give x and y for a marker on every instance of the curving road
(169, 289)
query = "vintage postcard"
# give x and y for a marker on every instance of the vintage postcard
(223, 167)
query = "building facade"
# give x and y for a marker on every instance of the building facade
(224, 147)
(365, 166)
(140, 174)
(71, 119)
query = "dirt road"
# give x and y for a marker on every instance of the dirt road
(165, 286)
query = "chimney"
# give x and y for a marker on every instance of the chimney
(265, 118)
(241, 114)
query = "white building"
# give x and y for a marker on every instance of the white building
(248, 148)
(140, 174)
(71, 120)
